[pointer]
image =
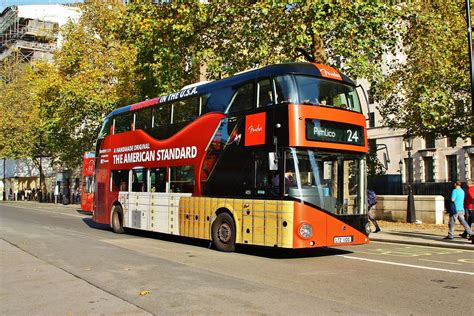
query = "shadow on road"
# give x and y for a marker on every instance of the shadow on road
(84, 212)
(89, 222)
(267, 252)
(283, 253)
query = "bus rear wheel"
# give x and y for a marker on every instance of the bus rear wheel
(223, 233)
(117, 216)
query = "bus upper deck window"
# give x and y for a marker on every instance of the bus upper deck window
(285, 90)
(162, 115)
(242, 99)
(264, 93)
(143, 119)
(317, 91)
(106, 128)
(123, 123)
(185, 110)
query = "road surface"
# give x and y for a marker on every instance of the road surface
(55, 260)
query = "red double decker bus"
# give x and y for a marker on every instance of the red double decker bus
(87, 189)
(271, 157)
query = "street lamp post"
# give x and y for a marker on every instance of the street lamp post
(4, 179)
(411, 215)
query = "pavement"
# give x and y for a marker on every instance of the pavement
(394, 232)
(50, 290)
(421, 234)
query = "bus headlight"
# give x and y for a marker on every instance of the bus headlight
(305, 231)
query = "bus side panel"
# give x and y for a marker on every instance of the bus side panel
(326, 228)
(258, 222)
(317, 219)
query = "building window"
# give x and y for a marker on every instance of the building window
(452, 168)
(430, 142)
(429, 169)
(372, 145)
(371, 119)
(370, 95)
(451, 141)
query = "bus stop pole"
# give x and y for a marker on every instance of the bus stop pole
(469, 39)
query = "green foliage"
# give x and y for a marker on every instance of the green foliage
(117, 54)
(374, 166)
(429, 94)
(174, 40)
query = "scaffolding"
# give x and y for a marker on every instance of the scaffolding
(27, 35)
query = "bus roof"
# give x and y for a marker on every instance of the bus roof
(310, 69)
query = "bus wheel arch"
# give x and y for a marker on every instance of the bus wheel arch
(223, 230)
(116, 218)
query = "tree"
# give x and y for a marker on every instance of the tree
(167, 37)
(56, 109)
(174, 40)
(23, 129)
(97, 75)
(374, 166)
(429, 93)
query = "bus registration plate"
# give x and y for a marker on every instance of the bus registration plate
(343, 239)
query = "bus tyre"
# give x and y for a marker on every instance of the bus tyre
(117, 220)
(223, 233)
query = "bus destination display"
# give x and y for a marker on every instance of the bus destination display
(327, 131)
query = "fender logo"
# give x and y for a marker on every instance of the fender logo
(327, 73)
(253, 130)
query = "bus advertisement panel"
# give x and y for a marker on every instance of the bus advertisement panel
(271, 157)
(87, 192)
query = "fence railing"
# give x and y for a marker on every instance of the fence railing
(392, 185)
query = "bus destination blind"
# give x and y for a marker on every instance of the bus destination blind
(334, 132)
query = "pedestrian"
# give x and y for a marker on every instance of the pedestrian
(469, 205)
(371, 201)
(78, 195)
(457, 198)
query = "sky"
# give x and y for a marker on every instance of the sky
(6, 3)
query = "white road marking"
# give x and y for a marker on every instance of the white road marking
(443, 262)
(44, 211)
(456, 250)
(407, 265)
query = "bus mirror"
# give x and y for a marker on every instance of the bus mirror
(272, 161)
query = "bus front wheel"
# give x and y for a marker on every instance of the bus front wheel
(117, 220)
(223, 232)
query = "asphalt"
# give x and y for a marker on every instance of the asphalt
(25, 275)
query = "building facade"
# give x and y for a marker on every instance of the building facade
(443, 159)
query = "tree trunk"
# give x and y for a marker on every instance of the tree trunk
(318, 52)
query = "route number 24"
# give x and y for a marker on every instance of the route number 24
(352, 136)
